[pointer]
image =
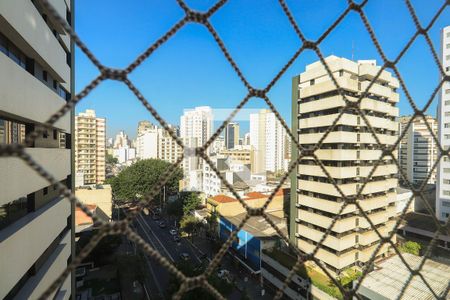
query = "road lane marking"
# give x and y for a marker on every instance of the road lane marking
(151, 231)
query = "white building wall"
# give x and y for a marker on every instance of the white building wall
(443, 177)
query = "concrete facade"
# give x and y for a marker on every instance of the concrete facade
(417, 151)
(268, 139)
(349, 153)
(36, 80)
(90, 147)
(443, 177)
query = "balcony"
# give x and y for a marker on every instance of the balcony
(25, 240)
(332, 259)
(36, 102)
(346, 172)
(340, 226)
(339, 137)
(22, 180)
(338, 244)
(328, 86)
(347, 119)
(34, 37)
(325, 205)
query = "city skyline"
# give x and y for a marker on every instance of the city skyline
(268, 49)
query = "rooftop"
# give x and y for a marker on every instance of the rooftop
(391, 275)
(258, 226)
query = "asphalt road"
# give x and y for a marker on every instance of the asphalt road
(161, 240)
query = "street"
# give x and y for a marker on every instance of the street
(161, 240)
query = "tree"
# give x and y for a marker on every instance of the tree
(212, 221)
(190, 201)
(188, 269)
(175, 209)
(111, 159)
(139, 179)
(190, 225)
(410, 247)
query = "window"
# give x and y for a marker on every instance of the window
(357, 222)
(12, 211)
(447, 102)
(312, 82)
(45, 134)
(356, 255)
(44, 75)
(447, 125)
(45, 190)
(446, 136)
(447, 91)
(447, 46)
(358, 137)
(12, 132)
(55, 84)
(356, 239)
(341, 73)
(447, 57)
(446, 181)
(446, 170)
(445, 204)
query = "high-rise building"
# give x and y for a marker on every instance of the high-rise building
(155, 142)
(168, 149)
(417, 151)
(121, 140)
(147, 143)
(268, 138)
(90, 147)
(143, 126)
(36, 222)
(196, 127)
(443, 177)
(246, 139)
(231, 135)
(349, 153)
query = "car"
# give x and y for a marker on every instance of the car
(184, 256)
(162, 224)
(173, 232)
(176, 238)
(223, 273)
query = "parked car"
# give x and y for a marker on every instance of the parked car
(184, 256)
(162, 224)
(173, 232)
(176, 238)
(156, 217)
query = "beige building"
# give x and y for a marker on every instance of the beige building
(240, 155)
(99, 196)
(417, 151)
(168, 149)
(349, 153)
(90, 147)
(36, 222)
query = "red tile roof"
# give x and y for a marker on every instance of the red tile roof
(83, 219)
(255, 195)
(223, 199)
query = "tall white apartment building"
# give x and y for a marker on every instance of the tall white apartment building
(121, 140)
(417, 151)
(443, 178)
(349, 153)
(36, 80)
(90, 147)
(268, 139)
(147, 143)
(155, 142)
(196, 126)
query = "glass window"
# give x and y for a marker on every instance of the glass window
(11, 132)
(445, 204)
(447, 91)
(12, 211)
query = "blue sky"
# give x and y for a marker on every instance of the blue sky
(190, 70)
